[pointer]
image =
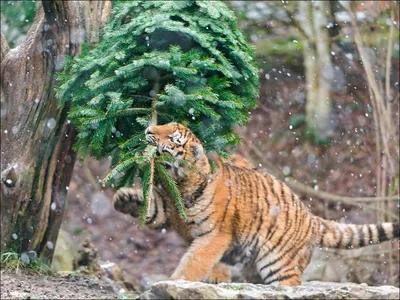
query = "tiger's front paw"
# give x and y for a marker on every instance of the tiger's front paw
(128, 201)
(219, 273)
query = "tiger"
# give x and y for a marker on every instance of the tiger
(238, 160)
(238, 215)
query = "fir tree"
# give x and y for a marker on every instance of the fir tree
(158, 62)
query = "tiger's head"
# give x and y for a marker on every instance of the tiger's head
(177, 140)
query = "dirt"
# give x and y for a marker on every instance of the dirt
(25, 285)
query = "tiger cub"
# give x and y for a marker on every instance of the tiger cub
(239, 215)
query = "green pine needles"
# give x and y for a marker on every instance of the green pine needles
(159, 62)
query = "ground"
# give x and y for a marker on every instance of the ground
(27, 285)
(31, 286)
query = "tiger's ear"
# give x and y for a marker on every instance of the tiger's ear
(197, 150)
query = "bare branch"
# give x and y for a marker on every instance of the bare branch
(336, 198)
(389, 57)
(375, 93)
(310, 191)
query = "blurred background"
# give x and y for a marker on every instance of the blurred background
(327, 124)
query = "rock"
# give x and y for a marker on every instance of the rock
(336, 265)
(25, 258)
(309, 290)
(86, 259)
(86, 262)
(148, 280)
(64, 252)
(116, 276)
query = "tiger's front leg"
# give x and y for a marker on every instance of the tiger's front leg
(203, 254)
(130, 200)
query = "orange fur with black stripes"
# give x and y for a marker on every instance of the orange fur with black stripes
(238, 161)
(240, 215)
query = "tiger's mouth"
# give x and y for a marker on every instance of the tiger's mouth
(151, 139)
(173, 167)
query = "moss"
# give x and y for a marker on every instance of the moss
(280, 46)
(64, 253)
(236, 287)
(78, 230)
(129, 296)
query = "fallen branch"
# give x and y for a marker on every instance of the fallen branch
(346, 254)
(373, 207)
(336, 198)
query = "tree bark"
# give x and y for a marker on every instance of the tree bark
(317, 64)
(4, 47)
(322, 107)
(37, 157)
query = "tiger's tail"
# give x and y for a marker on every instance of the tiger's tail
(349, 236)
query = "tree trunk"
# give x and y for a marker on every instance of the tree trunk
(317, 64)
(322, 108)
(4, 47)
(37, 157)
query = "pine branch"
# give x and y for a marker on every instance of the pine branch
(172, 188)
(150, 196)
(146, 182)
(123, 166)
(133, 141)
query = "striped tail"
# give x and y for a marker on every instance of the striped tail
(349, 236)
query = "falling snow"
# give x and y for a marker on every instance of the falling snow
(51, 123)
(50, 245)
(341, 158)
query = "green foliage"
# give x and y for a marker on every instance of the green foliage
(307, 133)
(18, 17)
(147, 185)
(148, 163)
(236, 287)
(13, 260)
(312, 135)
(297, 120)
(184, 61)
(172, 188)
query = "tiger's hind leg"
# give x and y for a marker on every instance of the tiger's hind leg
(298, 261)
(280, 273)
(290, 278)
(283, 268)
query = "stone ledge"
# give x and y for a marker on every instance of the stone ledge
(309, 290)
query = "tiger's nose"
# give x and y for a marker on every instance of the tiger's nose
(149, 130)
